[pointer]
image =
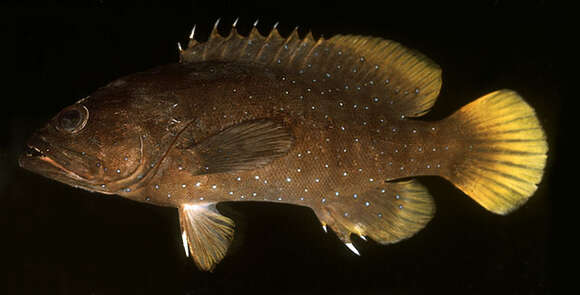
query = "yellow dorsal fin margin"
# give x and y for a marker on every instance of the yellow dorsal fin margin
(403, 80)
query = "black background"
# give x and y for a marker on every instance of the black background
(55, 239)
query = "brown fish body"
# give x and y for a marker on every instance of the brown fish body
(334, 149)
(327, 124)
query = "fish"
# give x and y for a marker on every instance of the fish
(329, 124)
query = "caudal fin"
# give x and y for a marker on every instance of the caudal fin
(505, 151)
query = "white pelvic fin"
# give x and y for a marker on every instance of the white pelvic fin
(206, 233)
(185, 246)
(324, 228)
(363, 237)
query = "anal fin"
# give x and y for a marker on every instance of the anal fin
(206, 233)
(387, 214)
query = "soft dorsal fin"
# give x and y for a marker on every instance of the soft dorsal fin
(206, 234)
(385, 71)
(245, 146)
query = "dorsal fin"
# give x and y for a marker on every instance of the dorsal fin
(385, 71)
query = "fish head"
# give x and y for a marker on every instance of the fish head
(93, 144)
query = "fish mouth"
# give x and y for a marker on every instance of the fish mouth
(78, 169)
(34, 159)
(57, 163)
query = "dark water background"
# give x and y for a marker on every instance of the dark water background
(55, 239)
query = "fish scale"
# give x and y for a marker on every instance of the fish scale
(324, 123)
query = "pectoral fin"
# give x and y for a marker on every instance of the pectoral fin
(244, 146)
(206, 234)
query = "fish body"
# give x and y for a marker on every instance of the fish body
(327, 124)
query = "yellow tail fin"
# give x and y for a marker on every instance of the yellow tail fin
(505, 151)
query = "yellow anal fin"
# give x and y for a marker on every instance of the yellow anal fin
(206, 233)
(504, 151)
(387, 214)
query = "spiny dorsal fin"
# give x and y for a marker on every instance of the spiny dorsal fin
(206, 234)
(384, 71)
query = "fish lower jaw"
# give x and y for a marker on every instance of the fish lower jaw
(68, 172)
(33, 153)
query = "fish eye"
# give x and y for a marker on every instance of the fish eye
(72, 119)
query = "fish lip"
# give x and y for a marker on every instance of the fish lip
(53, 161)
(35, 160)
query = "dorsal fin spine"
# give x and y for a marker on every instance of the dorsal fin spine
(294, 37)
(265, 44)
(243, 44)
(227, 50)
(277, 55)
(314, 47)
(303, 44)
(214, 31)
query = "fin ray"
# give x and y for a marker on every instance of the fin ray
(395, 211)
(244, 146)
(507, 151)
(206, 233)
